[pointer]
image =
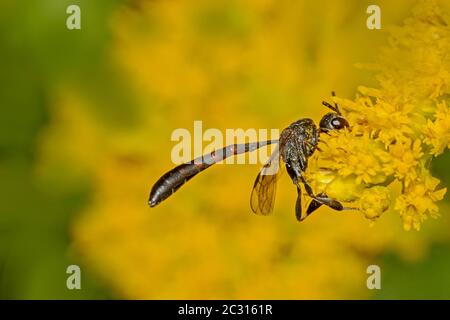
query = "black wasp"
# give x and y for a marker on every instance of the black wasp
(296, 144)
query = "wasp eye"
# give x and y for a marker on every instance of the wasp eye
(339, 123)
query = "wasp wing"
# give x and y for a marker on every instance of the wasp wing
(265, 186)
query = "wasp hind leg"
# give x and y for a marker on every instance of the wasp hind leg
(319, 200)
(323, 199)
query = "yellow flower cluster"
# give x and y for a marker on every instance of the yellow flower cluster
(397, 128)
(437, 132)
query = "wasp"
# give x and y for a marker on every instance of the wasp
(297, 143)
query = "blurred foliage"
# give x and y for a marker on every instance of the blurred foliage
(86, 122)
(426, 279)
(37, 55)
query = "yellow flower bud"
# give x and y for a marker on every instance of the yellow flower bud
(374, 202)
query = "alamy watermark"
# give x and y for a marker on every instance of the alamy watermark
(73, 21)
(374, 280)
(200, 144)
(374, 19)
(73, 281)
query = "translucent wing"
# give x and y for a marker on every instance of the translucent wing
(264, 189)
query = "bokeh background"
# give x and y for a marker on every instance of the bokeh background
(85, 131)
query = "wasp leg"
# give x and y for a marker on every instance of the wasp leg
(317, 201)
(320, 199)
(323, 199)
(298, 205)
(313, 206)
(323, 141)
(310, 192)
(307, 187)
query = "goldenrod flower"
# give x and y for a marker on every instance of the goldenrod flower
(397, 128)
(418, 201)
(437, 132)
(374, 201)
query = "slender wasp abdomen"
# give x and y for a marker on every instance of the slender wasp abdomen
(178, 176)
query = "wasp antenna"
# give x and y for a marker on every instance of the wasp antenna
(326, 104)
(333, 94)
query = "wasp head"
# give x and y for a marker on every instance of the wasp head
(332, 120)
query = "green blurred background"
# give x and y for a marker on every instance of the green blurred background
(49, 197)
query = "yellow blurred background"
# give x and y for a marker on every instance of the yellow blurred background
(88, 119)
